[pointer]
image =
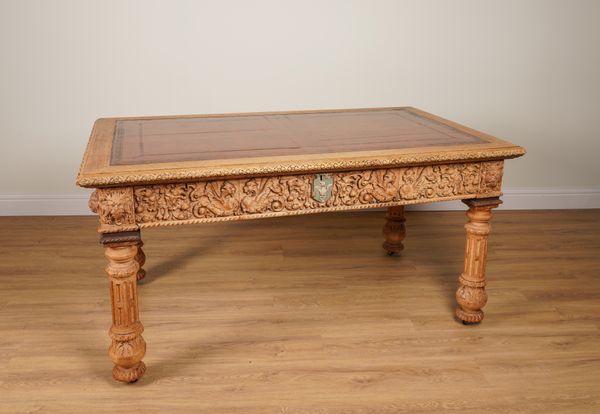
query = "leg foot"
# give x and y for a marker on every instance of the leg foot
(471, 295)
(394, 230)
(129, 374)
(470, 301)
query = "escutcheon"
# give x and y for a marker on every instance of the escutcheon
(322, 187)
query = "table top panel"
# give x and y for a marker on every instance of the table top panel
(143, 141)
(124, 151)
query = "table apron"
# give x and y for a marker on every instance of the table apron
(130, 208)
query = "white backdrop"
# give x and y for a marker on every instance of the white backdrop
(527, 71)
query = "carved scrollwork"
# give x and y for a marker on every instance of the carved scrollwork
(283, 195)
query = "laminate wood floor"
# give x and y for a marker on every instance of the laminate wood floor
(307, 315)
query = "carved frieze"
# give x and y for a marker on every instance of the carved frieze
(286, 195)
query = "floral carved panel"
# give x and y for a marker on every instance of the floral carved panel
(287, 195)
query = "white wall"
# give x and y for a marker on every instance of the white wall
(524, 70)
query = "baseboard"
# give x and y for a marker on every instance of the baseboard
(534, 198)
(514, 199)
(45, 204)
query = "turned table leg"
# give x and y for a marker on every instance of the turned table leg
(394, 230)
(471, 295)
(140, 258)
(128, 347)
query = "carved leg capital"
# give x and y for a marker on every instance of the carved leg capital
(394, 230)
(128, 346)
(471, 295)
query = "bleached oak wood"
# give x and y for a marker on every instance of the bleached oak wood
(471, 295)
(128, 346)
(162, 171)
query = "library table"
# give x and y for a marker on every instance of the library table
(170, 170)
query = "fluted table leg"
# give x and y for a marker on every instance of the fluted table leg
(471, 295)
(128, 347)
(394, 230)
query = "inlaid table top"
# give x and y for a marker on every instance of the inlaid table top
(172, 148)
(174, 170)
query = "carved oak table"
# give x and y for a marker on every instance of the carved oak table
(161, 171)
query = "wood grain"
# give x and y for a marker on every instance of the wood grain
(307, 315)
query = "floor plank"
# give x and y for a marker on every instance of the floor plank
(307, 315)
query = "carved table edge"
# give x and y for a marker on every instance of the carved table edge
(106, 179)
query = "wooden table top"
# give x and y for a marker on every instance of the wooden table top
(125, 151)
